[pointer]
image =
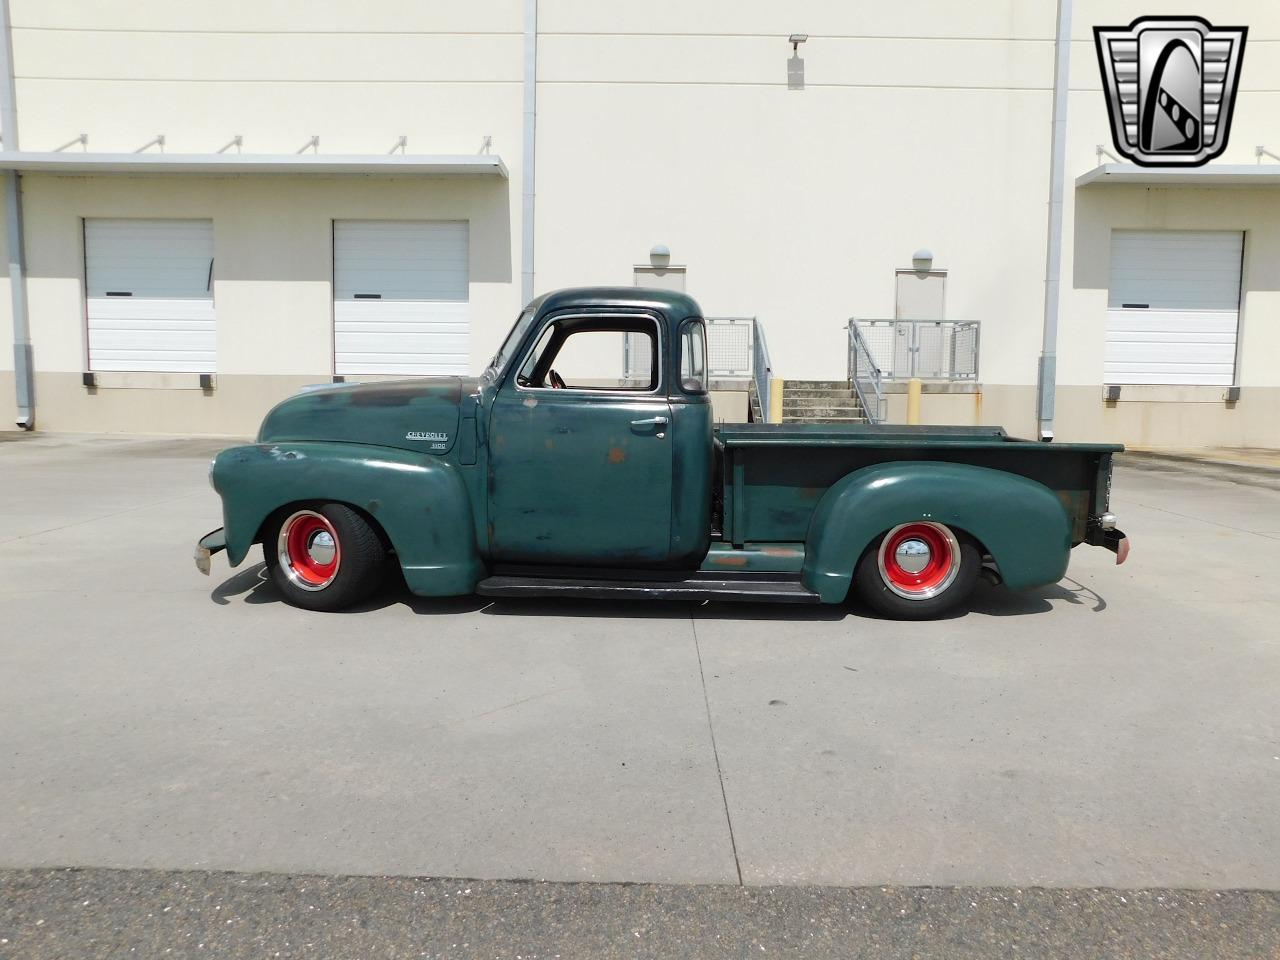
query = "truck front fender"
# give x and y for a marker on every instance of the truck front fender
(420, 502)
(1020, 522)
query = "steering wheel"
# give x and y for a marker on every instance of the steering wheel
(557, 381)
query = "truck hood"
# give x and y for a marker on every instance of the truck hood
(419, 415)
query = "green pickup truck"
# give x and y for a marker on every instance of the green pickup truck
(555, 473)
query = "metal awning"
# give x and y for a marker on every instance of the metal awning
(1227, 175)
(242, 163)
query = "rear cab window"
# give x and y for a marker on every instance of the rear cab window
(693, 357)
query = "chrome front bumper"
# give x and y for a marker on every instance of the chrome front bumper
(211, 543)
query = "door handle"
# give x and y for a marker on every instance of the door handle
(659, 422)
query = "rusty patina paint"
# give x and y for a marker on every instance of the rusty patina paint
(399, 393)
(420, 416)
(756, 557)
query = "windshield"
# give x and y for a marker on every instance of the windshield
(510, 344)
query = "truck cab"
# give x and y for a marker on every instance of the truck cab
(600, 435)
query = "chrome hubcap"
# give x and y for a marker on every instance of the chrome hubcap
(919, 560)
(913, 555)
(322, 548)
(308, 550)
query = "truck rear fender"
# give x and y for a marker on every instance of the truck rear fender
(420, 503)
(1020, 522)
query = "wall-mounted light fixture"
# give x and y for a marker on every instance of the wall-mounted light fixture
(795, 65)
(660, 255)
(922, 260)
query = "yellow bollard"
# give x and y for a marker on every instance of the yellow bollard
(913, 400)
(774, 413)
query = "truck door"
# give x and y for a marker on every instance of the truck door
(580, 447)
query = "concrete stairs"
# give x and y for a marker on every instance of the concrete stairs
(821, 401)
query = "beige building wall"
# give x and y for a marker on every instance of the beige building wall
(359, 76)
(672, 123)
(925, 125)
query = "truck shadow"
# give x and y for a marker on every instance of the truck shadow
(251, 582)
(997, 601)
(253, 586)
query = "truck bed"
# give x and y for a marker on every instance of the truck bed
(775, 474)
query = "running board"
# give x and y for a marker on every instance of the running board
(691, 588)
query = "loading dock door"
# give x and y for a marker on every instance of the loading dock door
(1173, 307)
(400, 297)
(149, 295)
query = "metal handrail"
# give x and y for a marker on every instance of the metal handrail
(927, 349)
(761, 369)
(865, 376)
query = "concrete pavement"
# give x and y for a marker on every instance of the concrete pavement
(1117, 729)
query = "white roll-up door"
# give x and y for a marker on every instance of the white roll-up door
(1173, 306)
(400, 297)
(149, 291)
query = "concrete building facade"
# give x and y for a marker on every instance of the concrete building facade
(790, 181)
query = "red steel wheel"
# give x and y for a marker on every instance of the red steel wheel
(309, 551)
(919, 560)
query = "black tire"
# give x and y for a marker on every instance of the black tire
(875, 589)
(360, 559)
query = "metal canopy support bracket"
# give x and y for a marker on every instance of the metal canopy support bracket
(83, 140)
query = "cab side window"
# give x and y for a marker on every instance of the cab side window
(606, 354)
